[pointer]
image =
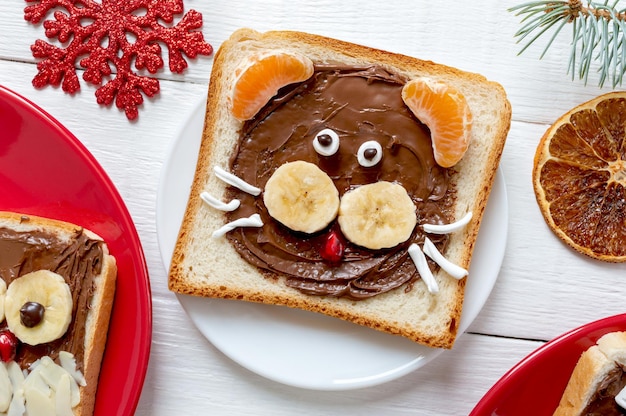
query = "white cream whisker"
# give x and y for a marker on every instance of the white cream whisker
(217, 204)
(452, 269)
(419, 259)
(448, 228)
(253, 220)
(235, 181)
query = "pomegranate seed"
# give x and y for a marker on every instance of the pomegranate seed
(332, 250)
(8, 345)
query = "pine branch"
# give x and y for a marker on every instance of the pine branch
(598, 34)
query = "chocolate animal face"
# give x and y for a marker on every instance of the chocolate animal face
(359, 105)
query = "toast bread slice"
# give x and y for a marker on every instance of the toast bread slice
(597, 378)
(99, 306)
(210, 267)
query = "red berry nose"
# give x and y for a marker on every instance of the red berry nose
(8, 345)
(332, 250)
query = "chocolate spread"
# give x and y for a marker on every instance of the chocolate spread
(359, 104)
(78, 260)
(603, 401)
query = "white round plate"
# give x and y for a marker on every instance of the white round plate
(306, 349)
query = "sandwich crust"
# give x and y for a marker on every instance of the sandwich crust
(429, 319)
(592, 373)
(100, 306)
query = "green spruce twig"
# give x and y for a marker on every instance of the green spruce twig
(598, 34)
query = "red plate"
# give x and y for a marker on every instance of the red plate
(535, 385)
(46, 171)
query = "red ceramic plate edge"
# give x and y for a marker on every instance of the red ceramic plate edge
(140, 355)
(553, 362)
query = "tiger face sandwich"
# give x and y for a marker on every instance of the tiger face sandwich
(340, 179)
(57, 284)
(597, 379)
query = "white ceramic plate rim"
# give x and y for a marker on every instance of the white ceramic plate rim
(305, 349)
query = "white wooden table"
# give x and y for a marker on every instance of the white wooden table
(543, 290)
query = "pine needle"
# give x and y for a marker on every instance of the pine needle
(598, 35)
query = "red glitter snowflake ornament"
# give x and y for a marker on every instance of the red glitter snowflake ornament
(113, 33)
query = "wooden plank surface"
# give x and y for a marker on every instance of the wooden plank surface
(543, 290)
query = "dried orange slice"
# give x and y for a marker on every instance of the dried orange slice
(446, 113)
(262, 79)
(579, 175)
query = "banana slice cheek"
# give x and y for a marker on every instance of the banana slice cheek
(50, 290)
(378, 215)
(302, 197)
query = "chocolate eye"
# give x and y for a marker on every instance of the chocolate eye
(369, 154)
(31, 314)
(326, 142)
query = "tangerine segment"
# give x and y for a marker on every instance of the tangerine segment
(579, 177)
(262, 79)
(446, 113)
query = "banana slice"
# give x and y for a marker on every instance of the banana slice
(378, 215)
(3, 291)
(50, 291)
(302, 197)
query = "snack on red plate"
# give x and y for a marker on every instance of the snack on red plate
(599, 376)
(317, 187)
(57, 284)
